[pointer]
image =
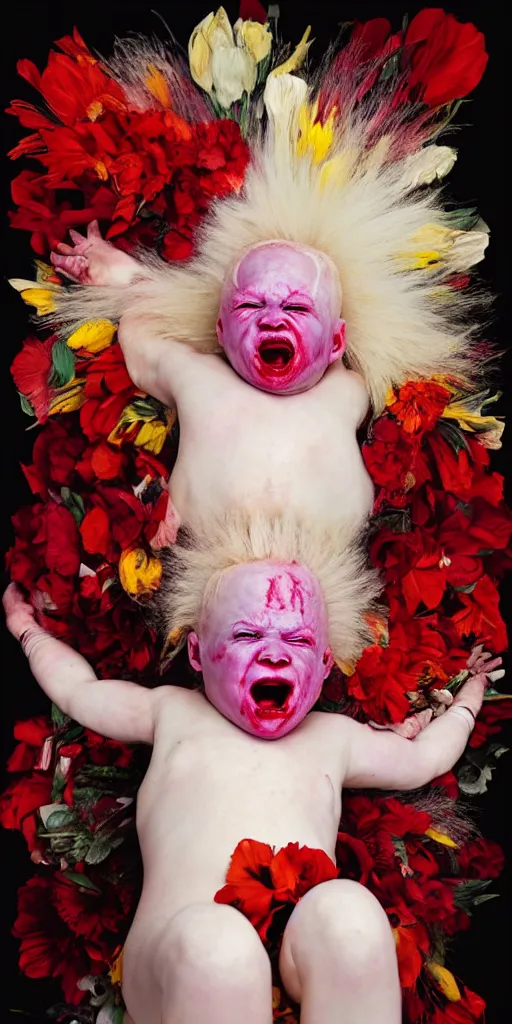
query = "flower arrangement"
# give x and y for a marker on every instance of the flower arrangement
(121, 150)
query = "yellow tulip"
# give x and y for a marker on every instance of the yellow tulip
(200, 55)
(93, 336)
(139, 572)
(298, 56)
(256, 38)
(444, 980)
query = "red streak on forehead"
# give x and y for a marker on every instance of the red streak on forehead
(297, 594)
(274, 597)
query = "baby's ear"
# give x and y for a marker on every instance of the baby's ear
(328, 662)
(194, 654)
(338, 342)
(220, 332)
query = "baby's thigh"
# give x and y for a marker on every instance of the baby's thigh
(202, 948)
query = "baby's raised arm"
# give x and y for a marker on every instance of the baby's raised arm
(385, 760)
(120, 710)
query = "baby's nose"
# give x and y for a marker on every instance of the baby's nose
(275, 656)
(272, 322)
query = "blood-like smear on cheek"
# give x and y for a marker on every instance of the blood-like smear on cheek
(218, 653)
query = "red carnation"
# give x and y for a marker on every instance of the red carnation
(419, 404)
(481, 858)
(447, 58)
(90, 913)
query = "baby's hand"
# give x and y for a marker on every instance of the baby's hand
(18, 613)
(94, 261)
(484, 669)
(413, 725)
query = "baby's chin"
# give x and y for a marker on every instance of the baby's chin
(270, 726)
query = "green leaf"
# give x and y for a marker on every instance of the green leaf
(467, 893)
(487, 896)
(58, 717)
(25, 405)
(81, 880)
(98, 851)
(80, 847)
(63, 367)
(59, 818)
(74, 502)
(453, 435)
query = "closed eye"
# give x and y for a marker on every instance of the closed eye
(305, 641)
(249, 305)
(297, 309)
(246, 634)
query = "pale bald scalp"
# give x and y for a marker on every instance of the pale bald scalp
(323, 264)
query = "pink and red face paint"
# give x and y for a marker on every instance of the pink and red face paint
(263, 646)
(279, 322)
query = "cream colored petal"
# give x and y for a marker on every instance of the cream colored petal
(233, 73)
(200, 55)
(219, 33)
(256, 38)
(430, 164)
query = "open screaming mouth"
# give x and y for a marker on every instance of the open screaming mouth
(276, 353)
(271, 697)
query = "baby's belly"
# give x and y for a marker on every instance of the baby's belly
(189, 828)
(308, 484)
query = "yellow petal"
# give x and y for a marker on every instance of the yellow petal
(440, 837)
(200, 56)
(69, 398)
(256, 38)
(116, 971)
(156, 82)
(315, 136)
(93, 336)
(298, 56)
(444, 980)
(41, 298)
(152, 435)
(139, 572)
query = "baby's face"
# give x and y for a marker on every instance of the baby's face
(263, 646)
(279, 319)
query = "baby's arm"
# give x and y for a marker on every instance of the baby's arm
(386, 761)
(122, 711)
(94, 261)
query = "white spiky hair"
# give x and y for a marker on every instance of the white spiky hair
(349, 200)
(332, 553)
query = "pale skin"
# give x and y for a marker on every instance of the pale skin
(269, 439)
(211, 784)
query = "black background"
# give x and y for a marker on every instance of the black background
(481, 956)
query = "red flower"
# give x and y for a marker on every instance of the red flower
(394, 461)
(260, 882)
(418, 405)
(481, 858)
(91, 914)
(31, 736)
(75, 89)
(412, 943)
(48, 948)
(62, 547)
(48, 220)
(490, 720)
(252, 10)
(56, 451)
(30, 370)
(21, 801)
(447, 58)
(480, 616)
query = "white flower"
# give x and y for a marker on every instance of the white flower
(468, 248)
(430, 164)
(233, 72)
(283, 97)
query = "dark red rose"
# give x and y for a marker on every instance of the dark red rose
(447, 58)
